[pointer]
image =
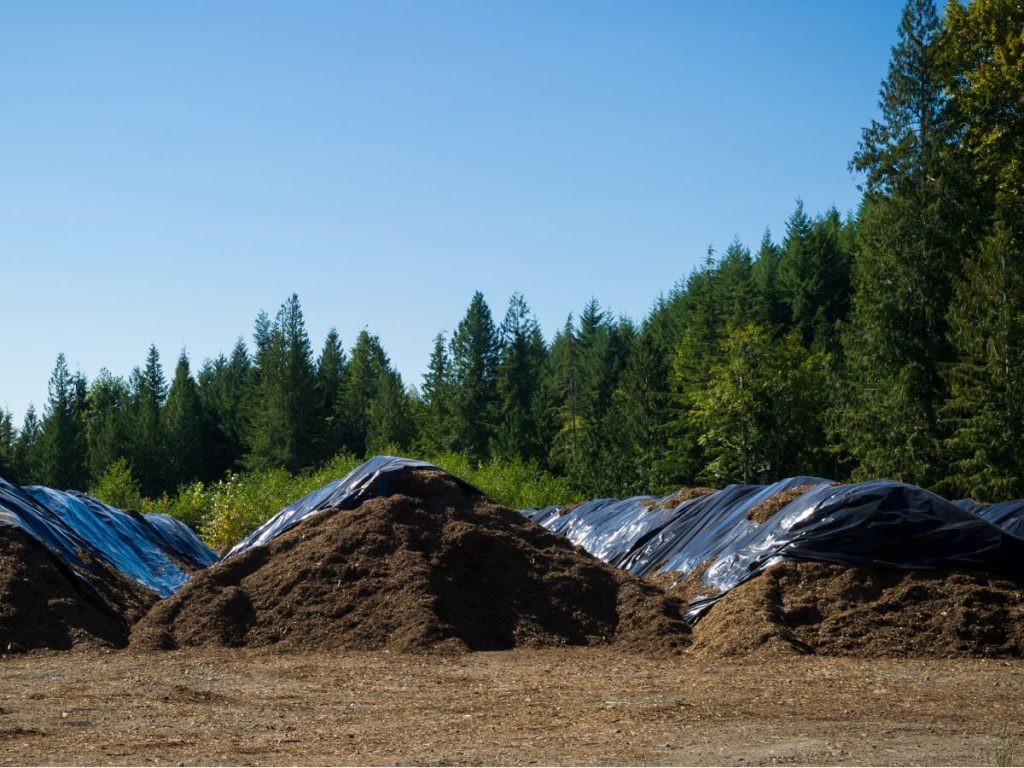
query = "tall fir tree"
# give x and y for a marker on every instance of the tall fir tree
(897, 342)
(983, 53)
(520, 432)
(183, 426)
(437, 431)
(330, 376)
(8, 437)
(389, 420)
(26, 467)
(148, 442)
(368, 368)
(62, 441)
(107, 426)
(475, 349)
(283, 410)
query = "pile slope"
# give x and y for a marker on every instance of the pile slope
(433, 566)
(839, 610)
(45, 604)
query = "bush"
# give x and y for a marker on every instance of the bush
(227, 511)
(118, 487)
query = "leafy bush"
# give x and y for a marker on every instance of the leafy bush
(118, 487)
(229, 510)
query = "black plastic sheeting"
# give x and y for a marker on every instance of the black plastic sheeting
(374, 478)
(152, 550)
(881, 523)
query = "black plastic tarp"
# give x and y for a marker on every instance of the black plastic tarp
(374, 478)
(152, 550)
(880, 523)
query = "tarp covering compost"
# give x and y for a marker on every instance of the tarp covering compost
(880, 524)
(154, 551)
(374, 478)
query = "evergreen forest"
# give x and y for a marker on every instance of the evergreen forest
(884, 342)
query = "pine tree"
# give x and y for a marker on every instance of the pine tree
(897, 342)
(518, 379)
(770, 311)
(283, 410)
(27, 449)
(475, 349)
(225, 385)
(107, 422)
(330, 376)
(437, 414)
(634, 426)
(985, 411)
(183, 426)
(149, 449)
(8, 437)
(368, 367)
(560, 386)
(62, 442)
(389, 423)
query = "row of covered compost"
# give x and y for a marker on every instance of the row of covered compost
(399, 554)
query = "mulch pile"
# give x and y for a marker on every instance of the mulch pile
(43, 605)
(837, 610)
(763, 512)
(677, 498)
(432, 567)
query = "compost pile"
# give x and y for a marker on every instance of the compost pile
(44, 603)
(838, 610)
(433, 566)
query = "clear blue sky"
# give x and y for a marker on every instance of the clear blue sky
(168, 169)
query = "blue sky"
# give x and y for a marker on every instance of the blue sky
(170, 169)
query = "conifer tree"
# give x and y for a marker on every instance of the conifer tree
(330, 376)
(8, 436)
(437, 415)
(518, 378)
(897, 343)
(283, 411)
(560, 386)
(107, 422)
(62, 443)
(26, 449)
(475, 349)
(389, 421)
(368, 367)
(225, 387)
(183, 426)
(149, 448)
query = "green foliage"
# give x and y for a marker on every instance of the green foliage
(518, 484)
(183, 426)
(760, 415)
(475, 350)
(118, 487)
(283, 410)
(62, 445)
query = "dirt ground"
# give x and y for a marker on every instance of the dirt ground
(558, 706)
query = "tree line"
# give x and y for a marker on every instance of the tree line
(885, 343)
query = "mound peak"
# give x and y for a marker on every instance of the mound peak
(434, 565)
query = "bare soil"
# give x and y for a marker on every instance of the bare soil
(825, 608)
(431, 567)
(553, 706)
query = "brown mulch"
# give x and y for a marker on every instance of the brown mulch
(43, 605)
(432, 567)
(831, 609)
(677, 498)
